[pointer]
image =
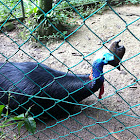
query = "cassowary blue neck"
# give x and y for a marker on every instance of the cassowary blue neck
(97, 69)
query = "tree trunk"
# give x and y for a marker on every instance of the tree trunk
(45, 5)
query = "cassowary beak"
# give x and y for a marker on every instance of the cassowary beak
(118, 52)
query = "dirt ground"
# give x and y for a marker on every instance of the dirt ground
(94, 122)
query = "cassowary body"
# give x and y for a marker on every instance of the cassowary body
(24, 79)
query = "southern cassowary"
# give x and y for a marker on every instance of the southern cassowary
(32, 84)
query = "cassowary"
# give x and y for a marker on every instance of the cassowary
(48, 91)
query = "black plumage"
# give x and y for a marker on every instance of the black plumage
(48, 91)
(42, 82)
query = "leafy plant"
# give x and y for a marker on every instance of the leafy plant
(20, 120)
(45, 28)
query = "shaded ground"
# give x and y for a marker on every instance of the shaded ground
(92, 122)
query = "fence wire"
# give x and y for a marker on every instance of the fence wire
(83, 128)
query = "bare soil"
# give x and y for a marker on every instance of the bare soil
(118, 111)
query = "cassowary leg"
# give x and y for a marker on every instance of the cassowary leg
(101, 92)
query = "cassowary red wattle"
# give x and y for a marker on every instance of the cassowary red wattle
(48, 91)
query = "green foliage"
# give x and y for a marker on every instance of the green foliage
(63, 20)
(7, 6)
(62, 17)
(1, 109)
(20, 120)
(46, 30)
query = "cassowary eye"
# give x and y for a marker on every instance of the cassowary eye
(103, 58)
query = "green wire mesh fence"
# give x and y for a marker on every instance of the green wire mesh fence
(117, 114)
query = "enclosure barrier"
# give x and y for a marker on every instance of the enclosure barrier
(114, 114)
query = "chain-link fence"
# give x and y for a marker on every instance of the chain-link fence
(115, 116)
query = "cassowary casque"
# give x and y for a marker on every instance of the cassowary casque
(118, 51)
(48, 91)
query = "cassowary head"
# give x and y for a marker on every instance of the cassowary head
(105, 57)
(101, 58)
(112, 56)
